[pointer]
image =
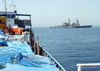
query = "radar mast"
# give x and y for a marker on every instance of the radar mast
(5, 5)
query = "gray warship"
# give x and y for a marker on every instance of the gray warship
(73, 25)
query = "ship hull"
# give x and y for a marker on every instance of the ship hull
(85, 26)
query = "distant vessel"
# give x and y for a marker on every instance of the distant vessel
(73, 25)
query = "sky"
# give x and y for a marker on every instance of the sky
(46, 13)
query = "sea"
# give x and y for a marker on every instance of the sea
(71, 46)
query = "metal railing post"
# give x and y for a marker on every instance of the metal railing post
(34, 47)
(38, 48)
(79, 67)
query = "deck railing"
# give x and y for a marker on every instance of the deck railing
(40, 51)
(88, 64)
(46, 54)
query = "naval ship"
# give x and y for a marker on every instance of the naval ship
(73, 25)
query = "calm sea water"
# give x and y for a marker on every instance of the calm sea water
(70, 46)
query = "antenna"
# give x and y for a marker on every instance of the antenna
(5, 5)
(13, 6)
(10, 7)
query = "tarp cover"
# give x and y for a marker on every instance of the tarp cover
(3, 42)
(1, 33)
(18, 56)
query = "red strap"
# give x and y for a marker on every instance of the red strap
(3, 29)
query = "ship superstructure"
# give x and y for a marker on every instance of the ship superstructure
(73, 25)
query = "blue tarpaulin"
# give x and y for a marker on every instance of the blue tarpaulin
(1, 33)
(18, 56)
(3, 42)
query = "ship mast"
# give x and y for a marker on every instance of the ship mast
(5, 5)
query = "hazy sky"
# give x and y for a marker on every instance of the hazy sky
(47, 13)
